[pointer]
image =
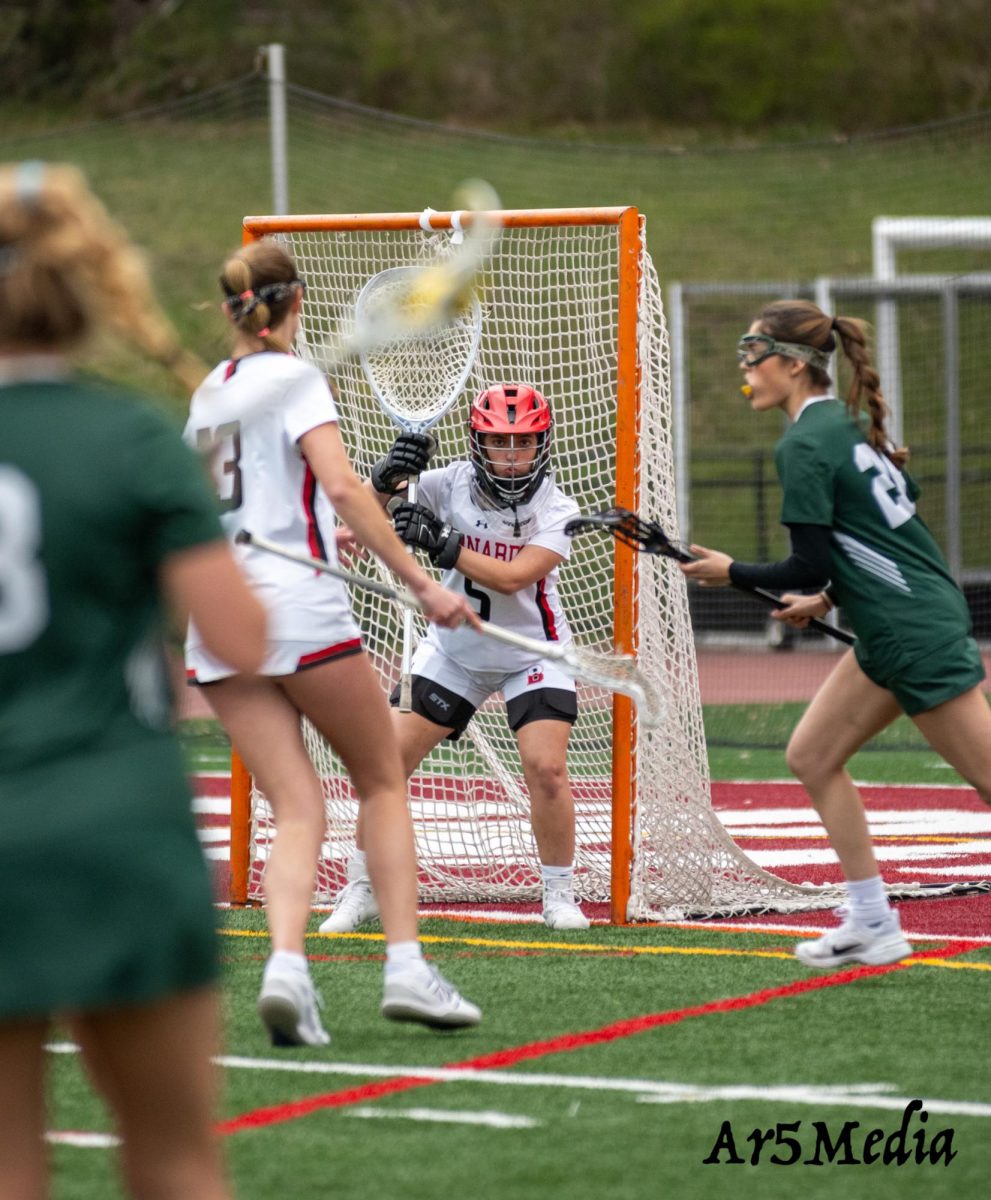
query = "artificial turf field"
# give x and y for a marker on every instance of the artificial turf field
(617, 1059)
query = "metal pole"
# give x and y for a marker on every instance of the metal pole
(279, 138)
(679, 402)
(951, 337)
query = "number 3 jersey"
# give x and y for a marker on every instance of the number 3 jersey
(887, 570)
(501, 534)
(253, 411)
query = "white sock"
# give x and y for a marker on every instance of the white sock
(399, 955)
(868, 900)
(287, 960)
(557, 878)
(357, 867)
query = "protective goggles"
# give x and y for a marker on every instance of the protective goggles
(753, 348)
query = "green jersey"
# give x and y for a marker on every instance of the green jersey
(96, 489)
(887, 570)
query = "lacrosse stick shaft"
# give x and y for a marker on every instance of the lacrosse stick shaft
(634, 688)
(406, 660)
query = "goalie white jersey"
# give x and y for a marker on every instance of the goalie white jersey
(265, 485)
(535, 611)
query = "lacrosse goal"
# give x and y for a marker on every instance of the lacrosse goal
(571, 303)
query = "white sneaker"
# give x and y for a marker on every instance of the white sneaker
(355, 905)
(419, 992)
(874, 945)
(561, 911)
(289, 1007)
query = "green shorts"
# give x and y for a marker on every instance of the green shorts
(104, 889)
(932, 679)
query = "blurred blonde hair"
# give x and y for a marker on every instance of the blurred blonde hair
(68, 270)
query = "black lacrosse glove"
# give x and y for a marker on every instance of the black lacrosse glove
(417, 526)
(409, 455)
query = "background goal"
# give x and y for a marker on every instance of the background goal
(571, 303)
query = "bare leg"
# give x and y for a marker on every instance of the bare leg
(153, 1064)
(264, 725)
(22, 1110)
(960, 731)
(543, 750)
(417, 737)
(847, 711)
(352, 713)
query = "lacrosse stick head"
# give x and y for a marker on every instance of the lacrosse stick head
(618, 673)
(626, 527)
(417, 351)
(510, 410)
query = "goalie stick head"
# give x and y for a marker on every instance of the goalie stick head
(510, 410)
(647, 537)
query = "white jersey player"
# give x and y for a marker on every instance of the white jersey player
(310, 618)
(270, 425)
(495, 525)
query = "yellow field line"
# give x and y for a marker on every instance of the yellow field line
(579, 948)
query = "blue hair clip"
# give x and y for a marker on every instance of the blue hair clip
(29, 179)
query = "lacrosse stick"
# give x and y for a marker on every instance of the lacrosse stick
(417, 378)
(615, 672)
(649, 538)
(408, 309)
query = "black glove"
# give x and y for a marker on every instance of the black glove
(409, 455)
(417, 526)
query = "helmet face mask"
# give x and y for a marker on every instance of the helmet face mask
(510, 410)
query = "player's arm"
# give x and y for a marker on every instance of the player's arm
(418, 526)
(530, 565)
(324, 451)
(205, 583)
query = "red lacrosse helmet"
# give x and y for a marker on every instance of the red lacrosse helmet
(510, 408)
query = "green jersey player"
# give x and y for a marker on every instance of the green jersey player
(850, 510)
(105, 521)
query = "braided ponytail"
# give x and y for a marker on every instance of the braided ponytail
(865, 387)
(805, 323)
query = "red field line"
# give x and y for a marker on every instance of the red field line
(511, 1056)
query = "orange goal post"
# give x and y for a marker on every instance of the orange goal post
(570, 303)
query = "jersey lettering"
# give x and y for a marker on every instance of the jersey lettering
(24, 604)
(887, 485)
(483, 598)
(502, 551)
(226, 459)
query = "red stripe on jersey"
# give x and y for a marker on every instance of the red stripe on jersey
(314, 538)
(546, 616)
(230, 369)
(351, 646)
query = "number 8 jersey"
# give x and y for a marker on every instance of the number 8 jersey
(887, 571)
(450, 493)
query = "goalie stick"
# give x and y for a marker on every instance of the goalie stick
(615, 672)
(648, 537)
(403, 306)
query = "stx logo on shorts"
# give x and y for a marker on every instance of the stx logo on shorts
(535, 676)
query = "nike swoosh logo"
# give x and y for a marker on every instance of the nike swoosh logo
(847, 949)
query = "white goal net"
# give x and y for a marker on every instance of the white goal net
(571, 303)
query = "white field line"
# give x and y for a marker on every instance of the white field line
(646, 1091)
(494, 1120)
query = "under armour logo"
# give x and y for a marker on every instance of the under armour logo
(481, 524)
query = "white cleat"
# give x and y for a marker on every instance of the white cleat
(289, 1007)
(873, 945)
(561, 911)
(355, 906)
(418, 992)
